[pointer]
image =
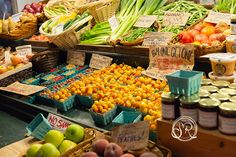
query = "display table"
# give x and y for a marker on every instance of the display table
(207, 143)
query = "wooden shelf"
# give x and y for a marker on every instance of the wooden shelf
(208, 143)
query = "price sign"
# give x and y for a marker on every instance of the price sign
(99, 61)
(145, 21)
(157, 38)
(24, 50)
(114, 23)
(22, 89)
(207, 2)
(75, 57)
(131, 136)
(58, 29)
(58, 122)
(216, 17)
(175, 18)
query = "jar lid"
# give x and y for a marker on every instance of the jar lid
(210, 89)
(168, 96)
(232, 85)
(209, 103)
(206, 81)
(203, 93)
(220, 96)
(221, 83)
(233, 99)
(228, 106)
(190, 99)
(228, 91)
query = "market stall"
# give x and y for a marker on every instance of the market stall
(111, 65)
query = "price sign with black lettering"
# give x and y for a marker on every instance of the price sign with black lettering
(145, 21)
(57, 122)
(99, 61)
(157, 38)
(175, 18)
(75, 57)
(216, 17)
(131, 136)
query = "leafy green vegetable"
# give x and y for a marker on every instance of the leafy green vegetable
(137, 33)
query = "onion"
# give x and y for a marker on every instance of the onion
(34, 5)
(31, 10)
(27, 6)
(25, 10)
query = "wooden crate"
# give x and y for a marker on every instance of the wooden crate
(208, 143)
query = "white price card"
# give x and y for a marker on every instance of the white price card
(175, 18)
(157, 38)
(114, 23)
(145, 21)
(75, 57)
(57, 122)
(24, 50)
(58, 29)
(207, 2)
(99, 61)
(216, 17)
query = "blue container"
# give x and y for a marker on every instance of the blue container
(44, 99)
(66, 105)
(32, 81)
(105, 118)
(38, 127)
(48, 77)
(126, 117)
(121, 108)
(69, 74)
(184, 82)
(84, 101)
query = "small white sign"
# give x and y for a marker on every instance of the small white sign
(75, 57)
(24, 50)
(175, 18)
(114, 23)
(16, 17)
(145, 21)
(216, 17)
(58, 122)
(58, 29)
(99, 61)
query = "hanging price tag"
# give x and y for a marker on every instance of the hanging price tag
(75, 57)
(175, 18)
(114, 23)
(145, 21)
(131, 136)
(58, 122)
(24, 50)
(207, 2)
(99, 61)
(216, 17)
(157, 38)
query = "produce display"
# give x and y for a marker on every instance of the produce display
(226, 6)
(39, 37)
(56, 143)
(34, 8)
(205, 34)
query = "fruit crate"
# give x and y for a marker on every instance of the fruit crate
(121, 108)
(126, 117)
(69, 74)
(85, 102)
(66, 105)
(32, 81)
(103, 119)
(38, 127)
(184, 82)
(49, 77)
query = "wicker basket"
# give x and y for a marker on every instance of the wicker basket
(45, 61)
(70, 37)
(87, 146)
(103, 11)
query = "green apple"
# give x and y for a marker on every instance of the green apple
(48, 150)
(33, 150)
(54, 137)
(66, 145)
(75, 133)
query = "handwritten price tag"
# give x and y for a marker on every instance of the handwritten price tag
(114, 23)
(145, 21)
(216, 17)
(131, 136)
(157, 38)
(58, 122)
(75, 57)
(175, 18)
(24, 50)
(207, 2)
(99, 61)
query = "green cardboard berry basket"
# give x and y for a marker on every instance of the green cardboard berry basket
(66, 105)
(126, 117)
(84, 102)
(121, 108)
(38, 127)
(103, 119)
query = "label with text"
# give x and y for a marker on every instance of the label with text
(207, 2)
(216, 17)
(164, 60)
(175, 18)
(24, 50)
(157, 38)
(58, 122)
(58, 29)
(114, 23)
(99, 61)
(75, 57)
(145, 21)
(131, 136)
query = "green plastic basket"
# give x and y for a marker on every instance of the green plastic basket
(38, 127)
(84, 101)
(103, 119)
(66, 105)
(185, 82)
(121, 108)
(126, 117)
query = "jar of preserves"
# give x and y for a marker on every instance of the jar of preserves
(221, 84)
(206, 82)
(189, 106)
(208, 112)
(232, 86)
(211, 89)
(227, 118)
(220, 96)
(228, 91)
(203, 93)
(170, 106)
